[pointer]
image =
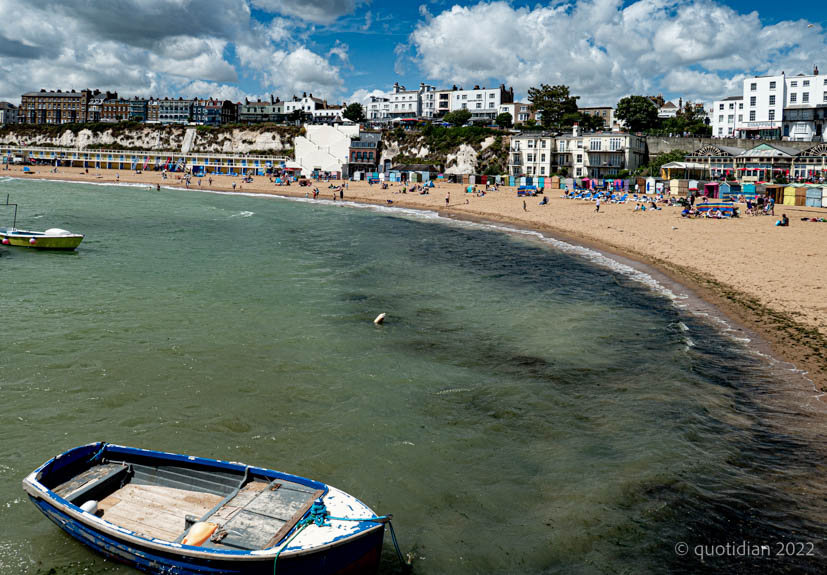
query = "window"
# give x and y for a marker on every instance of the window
(752, 115)
(740, 117)
(531, 143)
(542, 157)
(824, 98)
(579, 172)
(479, 96)
(720, 118)
(732, 106)
(772, 85)
(740, 105)
(793, 98)
(805, 97)
(805, 83)
(542, 170)
(561, 145)
(529, 157)
(794, 84)
(720, 106)
(479, 104)
(772, 100)
(772, 115)
(753, 87)
(594, 145)
(579, 158)
(615, 144)
(752, 100)
(729, 118)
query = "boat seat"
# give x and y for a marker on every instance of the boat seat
(94, 483)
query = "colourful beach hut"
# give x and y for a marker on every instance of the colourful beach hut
(813, 198)
(748, 190)
(712, 189)
(789, 196)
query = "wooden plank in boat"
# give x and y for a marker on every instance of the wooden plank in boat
(89, 476)
(155, 511)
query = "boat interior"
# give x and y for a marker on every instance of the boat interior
(191, 504)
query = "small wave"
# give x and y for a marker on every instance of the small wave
(682, 326)
(243, 215)
(452, 390)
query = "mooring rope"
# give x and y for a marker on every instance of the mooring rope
(320, 516)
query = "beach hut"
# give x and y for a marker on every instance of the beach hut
(775, 191)
(748, 190)
(649, 187)
(801, 196)
(813, 199)
(712, 189)
(789, 196)
(824, 197)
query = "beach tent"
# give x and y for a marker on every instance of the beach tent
(650, 185)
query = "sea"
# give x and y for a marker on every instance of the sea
(527, 407)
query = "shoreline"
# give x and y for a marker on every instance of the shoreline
(775, 331)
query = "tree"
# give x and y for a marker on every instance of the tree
(552, 103)
(654, 166)
(637, 112)
(458, 118)
(296, 116)
(504, 120)
(592, 122)
(354, 112)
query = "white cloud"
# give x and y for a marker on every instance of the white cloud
(319, 11)
(201, 89)
(140, 47)
(604, 50)
(363, 96)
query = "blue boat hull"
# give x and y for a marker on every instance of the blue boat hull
(359, 555)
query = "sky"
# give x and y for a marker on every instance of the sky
(346, 50)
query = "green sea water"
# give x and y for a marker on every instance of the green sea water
(522, 410)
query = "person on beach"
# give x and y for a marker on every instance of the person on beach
(233, 186)
(597, 205)
(341, 193)
(524, 207)
(447, 199)
(210, 180)
(784, 221)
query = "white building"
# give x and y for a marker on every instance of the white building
(8, 113)
(325, 148)
(594, 155)
(406, 103)
(788, 107)
(520, 112)
(483, 103)
(307, 103)
(378, 108)
(724, 115)
(668, 110)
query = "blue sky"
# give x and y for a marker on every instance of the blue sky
(344, 50)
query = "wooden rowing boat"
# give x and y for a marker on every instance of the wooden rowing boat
(169, 513)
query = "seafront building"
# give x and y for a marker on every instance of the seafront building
(8, 113)
(55, 107)
(724, 116)
(594, 155)
(259, 112)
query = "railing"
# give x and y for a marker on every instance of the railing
(61, 153)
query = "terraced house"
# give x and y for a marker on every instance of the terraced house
(595, 155)
(55, 107)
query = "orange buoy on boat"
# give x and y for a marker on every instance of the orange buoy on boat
(199, 533)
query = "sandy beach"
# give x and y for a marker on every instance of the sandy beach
(767, 278)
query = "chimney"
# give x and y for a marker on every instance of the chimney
(575, 130)
(815, 70)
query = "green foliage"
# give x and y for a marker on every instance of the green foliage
(529, 125)
(354, 112)
(591, 123)
(457, 118)
(638, 112)
(553, 103)
(504, 120)
(653, 169)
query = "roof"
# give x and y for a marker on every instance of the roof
(7, 106)
(770, 150)
(669, 105)
(684, 166)
(732, 98)
(55, 94)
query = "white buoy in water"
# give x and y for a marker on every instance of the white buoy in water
(380, 318)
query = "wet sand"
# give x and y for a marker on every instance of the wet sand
(768, 278)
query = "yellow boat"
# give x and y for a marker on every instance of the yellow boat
(51, 239)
